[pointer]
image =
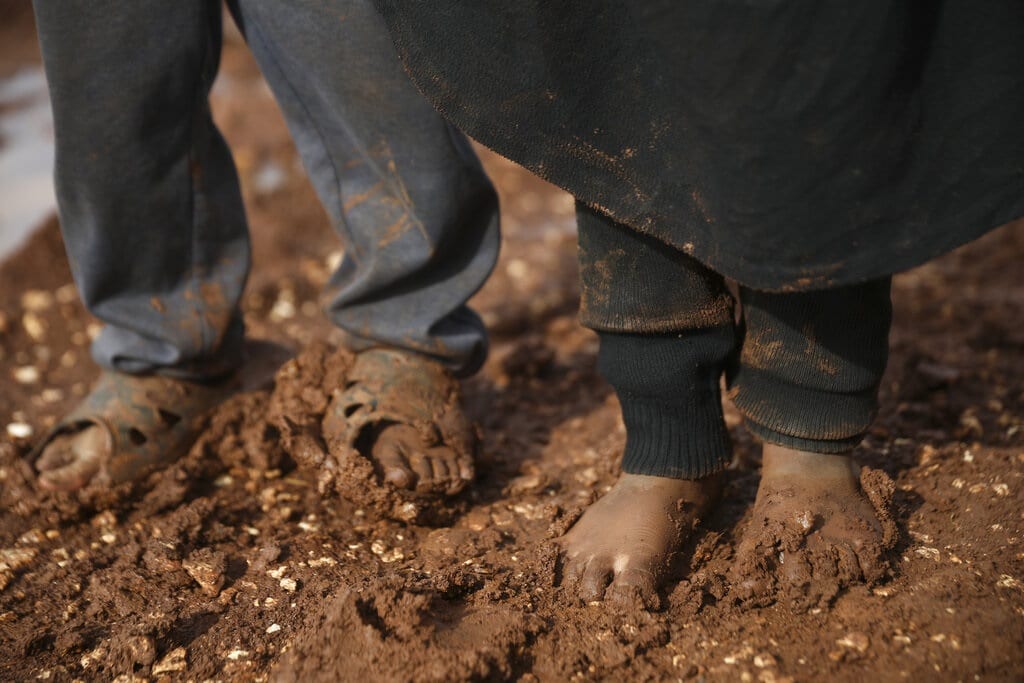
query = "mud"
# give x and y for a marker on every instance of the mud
(231, 566)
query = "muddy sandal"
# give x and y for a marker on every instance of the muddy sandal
(147, 423)
(385, 388)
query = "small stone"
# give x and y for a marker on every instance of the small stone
(52, 395)
(273, 628)
(290, 585)
(207, 568)
(34, 326)
(334, 260)
(36, 300)
(238, 653)
(764, 660)
(528, 483)
(323, 562)
(283, 309)
(32, 537)
(66, 294)
(587, 476)
(26, 374)
(854, 641)
(89, 658)
(143, 649)
(13, 559)
(1007, 581)
(517, 269)
(104, 520)
(20, 430)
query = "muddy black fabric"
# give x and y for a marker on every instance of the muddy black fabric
(668, 387)
(790, 145)
(633, 283)
(803, 368)
(811, 363)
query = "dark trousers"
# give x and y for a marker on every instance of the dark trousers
(803, 367)
(149, 199)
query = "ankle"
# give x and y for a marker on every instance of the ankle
(778, 462)
(701, 491)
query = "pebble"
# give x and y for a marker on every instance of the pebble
(855, 641)
(517, 268)
(143, 649)
(66, 294)
(290, 585)
(52, 395)
(323, 562)
(36, 300)
(206, 568)
(588, 476)
(19, 430)
(283, 309)
(273, 628)
(34, 326)
(26, 374)
(13, 559)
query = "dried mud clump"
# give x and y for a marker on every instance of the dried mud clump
(296, 410)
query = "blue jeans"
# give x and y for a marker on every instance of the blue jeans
(149, 199)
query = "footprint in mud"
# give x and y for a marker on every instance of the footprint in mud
(390, 632)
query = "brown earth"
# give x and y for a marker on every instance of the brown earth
(230, 566)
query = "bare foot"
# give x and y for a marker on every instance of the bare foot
(406, 463)
(818, 526)
(70, 461)
(622, 546)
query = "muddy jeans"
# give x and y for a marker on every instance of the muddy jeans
(149, 198)
(803, 368)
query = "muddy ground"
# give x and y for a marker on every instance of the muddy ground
(231, 567)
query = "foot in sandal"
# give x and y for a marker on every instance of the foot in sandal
(402, 411)
(126, 427)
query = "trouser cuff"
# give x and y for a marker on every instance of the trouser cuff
(668, 387)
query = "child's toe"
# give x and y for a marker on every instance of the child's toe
(595, 579)
(634, 585)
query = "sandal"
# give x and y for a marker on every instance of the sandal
(386, 387)
(148, 422)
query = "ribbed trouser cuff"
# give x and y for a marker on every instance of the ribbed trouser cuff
(668, 387)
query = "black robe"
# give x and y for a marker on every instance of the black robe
(788, 144)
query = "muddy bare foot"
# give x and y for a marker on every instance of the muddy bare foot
(622, 546)
(70, 461)
(405, 462)
(818, 526)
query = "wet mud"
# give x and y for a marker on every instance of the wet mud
(230, 565)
